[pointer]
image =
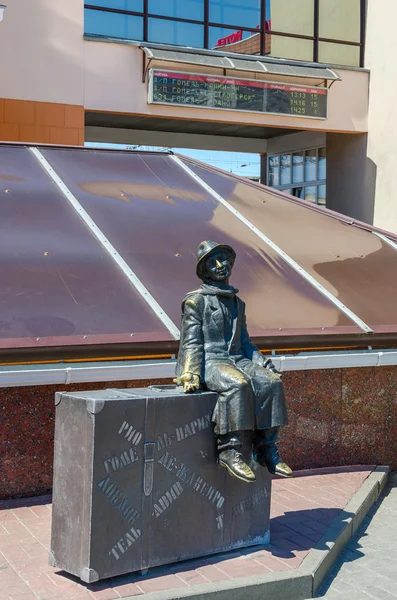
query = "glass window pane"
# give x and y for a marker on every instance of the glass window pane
(311, 165)
(115, 25)
(134, 5)
(174, 32)
(293, 16)
(297, 192)
(235, 12)
(183, 9)
(274, 176)
(297, 167)
(285, 168)
(310, 193)
(287, 190)
(322, 163)
(322, 194)
(232, 40)
(287, 47)
(339, 54)
(340, 20)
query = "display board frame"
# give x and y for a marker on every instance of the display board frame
(280, 86)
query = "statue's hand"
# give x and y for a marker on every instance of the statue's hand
(269, 365)
(189, 381)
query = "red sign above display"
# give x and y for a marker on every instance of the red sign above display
(237, 36)
(208, 91)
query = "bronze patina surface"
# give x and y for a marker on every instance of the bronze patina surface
(217, 353)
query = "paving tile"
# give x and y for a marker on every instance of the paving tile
(15, 555)
(301, 529)
(35, 577)
(273, 564)
(59, 579)
(300, 541)
(212, 573)
(14, 527)
(6, 515)
(27, 596)
(80, 591)
(317, 526)
(161, 583)
(9, 578)
(36, 550)
(242, 570)
(24, 513)
(192, 578)
(15, 590)
(128, 589)
(106, 594)
(40, 511)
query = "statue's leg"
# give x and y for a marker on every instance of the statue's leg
(266, 452)
(270, 414)
(230, 447)
(233, 417)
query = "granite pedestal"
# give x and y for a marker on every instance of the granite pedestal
(137, 485)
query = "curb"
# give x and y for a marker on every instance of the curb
(322, 557)
(303, 582)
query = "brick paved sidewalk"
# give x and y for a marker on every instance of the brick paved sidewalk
(367, 569)
(302, 509)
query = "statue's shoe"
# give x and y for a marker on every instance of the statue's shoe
(233, 461)
(269, 457)
(281, 469)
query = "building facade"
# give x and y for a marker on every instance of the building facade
(314, 94)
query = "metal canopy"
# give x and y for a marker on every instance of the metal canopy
(98, 249)
(240, 62)
(136, 122)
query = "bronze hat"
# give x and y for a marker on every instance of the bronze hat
(205, 249)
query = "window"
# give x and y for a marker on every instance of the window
(274, 171)
(176, 33)
(179, 9)
(301, 174)
(131, 5)
(113, 24)
(246, 13)
(329, 31)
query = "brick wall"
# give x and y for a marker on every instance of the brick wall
(41, 122)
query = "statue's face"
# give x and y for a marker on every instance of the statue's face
(218, 267)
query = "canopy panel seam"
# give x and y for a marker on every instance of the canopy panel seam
(290, 261)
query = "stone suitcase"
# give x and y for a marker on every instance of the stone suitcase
(136, 484)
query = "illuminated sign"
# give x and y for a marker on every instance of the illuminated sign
(207, 91)
(230, 39)
(237, 36)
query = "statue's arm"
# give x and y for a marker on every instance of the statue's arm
(251, 351)
(192, 347)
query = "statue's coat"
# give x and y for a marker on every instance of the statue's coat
(215, 345)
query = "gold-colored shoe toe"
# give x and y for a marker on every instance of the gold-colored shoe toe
(236, 466)
(283, 470)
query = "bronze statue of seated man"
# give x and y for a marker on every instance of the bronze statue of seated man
(217, 353)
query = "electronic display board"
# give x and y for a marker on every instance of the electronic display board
(227, 93)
